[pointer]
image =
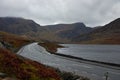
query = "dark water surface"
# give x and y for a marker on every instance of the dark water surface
(105, 53)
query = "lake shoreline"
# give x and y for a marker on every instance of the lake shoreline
(55, 46)
(94, 62)
(64, 75)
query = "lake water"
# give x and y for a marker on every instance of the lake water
(105, 53)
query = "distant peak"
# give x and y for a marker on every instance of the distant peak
(12, 17)
(78, 23)
(118, 19)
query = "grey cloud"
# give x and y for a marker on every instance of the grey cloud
(91, 12)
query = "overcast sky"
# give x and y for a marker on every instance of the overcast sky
(46, 12)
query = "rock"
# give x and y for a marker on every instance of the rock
(8, 78)
(1, 45)
(3, 75)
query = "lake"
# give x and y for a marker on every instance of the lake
(105, 53)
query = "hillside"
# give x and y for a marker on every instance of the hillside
(55, 33)
(63, 33)
(19, 25)
(17, 67)
(28, 28)
(24, 69)
(107, 34)
(69, 30)
(13, 42)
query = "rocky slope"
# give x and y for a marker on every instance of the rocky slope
(107, 34)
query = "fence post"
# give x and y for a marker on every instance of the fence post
(106, 75)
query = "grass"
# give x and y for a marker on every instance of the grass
(13, 42)
(18, 67)
(24, 69)
(112, 39)
(50, 46)
(70, 76)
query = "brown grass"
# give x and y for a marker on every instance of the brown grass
(24, 69)
(111, 39)
(15, 40)
(50, 46)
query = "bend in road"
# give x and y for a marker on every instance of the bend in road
(38, 53)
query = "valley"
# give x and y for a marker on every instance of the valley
(15, 33)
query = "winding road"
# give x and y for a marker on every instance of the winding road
(94, 72)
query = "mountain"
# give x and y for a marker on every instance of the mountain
(63, 33)
(18, 25)
(110, 27)
(107, 34)
(55, 33)
(69, 30)
(24, 27)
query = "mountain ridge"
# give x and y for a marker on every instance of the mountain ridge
(62, 33)
(107, 34)
(69, 30)
(18, 25)
(55, 33)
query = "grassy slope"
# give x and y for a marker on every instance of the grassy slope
(50, 46)
(24, 69)
(107, 34)
(102, 39)
(18, 67)
(13, 42)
